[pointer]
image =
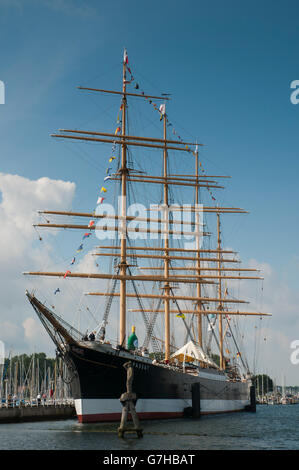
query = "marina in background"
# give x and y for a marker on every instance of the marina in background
(34, 388)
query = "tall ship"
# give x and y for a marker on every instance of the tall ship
(164, 300)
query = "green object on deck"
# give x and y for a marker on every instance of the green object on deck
(132, 340)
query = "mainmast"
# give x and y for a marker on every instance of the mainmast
(123, 232)
(199, 304)
(166, 246)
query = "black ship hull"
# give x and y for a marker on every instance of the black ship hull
(99, 379)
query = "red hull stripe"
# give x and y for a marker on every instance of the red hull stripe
(105, 417)
(117, 416)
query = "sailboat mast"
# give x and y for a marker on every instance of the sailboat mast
(219, 295)
(16, 379)
(199, 304)
(166, 246)
(32, 377)
(123, 242)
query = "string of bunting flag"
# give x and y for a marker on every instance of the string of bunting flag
(100, 200)
(161, 110)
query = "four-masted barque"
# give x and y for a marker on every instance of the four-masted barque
(184, 285)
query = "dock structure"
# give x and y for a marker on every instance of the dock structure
(128, 401)
(15, 414)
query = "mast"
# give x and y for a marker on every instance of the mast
(166, 246)
(22, 379)
(32, 378)
(123, 234)
(16, 379)
(198, 305)
(45, 377)
(55, 379)
(221, 365)
(37, 377)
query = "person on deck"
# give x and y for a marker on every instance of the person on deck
(91, 336)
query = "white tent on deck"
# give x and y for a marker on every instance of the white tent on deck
(191, 352)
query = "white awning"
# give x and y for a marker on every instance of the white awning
(191, 352)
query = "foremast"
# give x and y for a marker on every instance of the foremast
(123, 241)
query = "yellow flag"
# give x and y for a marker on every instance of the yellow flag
(180, 315)
(103, 190)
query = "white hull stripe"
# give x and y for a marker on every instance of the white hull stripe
(113, 407)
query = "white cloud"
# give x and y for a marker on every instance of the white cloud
(275, 333)
(20, 249)
(10, 331)
(32, 329)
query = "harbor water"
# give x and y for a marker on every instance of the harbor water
(272, 427)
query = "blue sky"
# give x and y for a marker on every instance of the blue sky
(228, 66)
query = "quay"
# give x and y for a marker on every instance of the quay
(42, 412)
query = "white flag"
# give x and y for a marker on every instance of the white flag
(162, 109)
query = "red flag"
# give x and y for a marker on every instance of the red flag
(126, 61)
(67, 272)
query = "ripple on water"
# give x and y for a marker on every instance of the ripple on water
(271, 427)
